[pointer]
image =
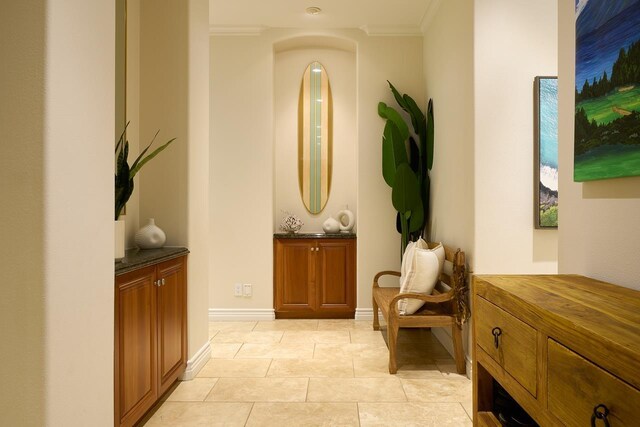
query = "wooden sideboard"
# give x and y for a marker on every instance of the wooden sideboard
(314, 276)
(150, 329)
(565, 347)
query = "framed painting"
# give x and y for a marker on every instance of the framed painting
(607, 93)
(545, 201)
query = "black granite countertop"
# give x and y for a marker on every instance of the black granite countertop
(138, 258)
(314, 235)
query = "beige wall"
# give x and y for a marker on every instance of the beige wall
(599, 233)
(289, 66)
(57, 222)
(242, 164)
(22, 304)
(174, 87)
(515, 40)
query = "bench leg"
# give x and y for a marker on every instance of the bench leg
(392, 337)
(376, 322)
(456, 332)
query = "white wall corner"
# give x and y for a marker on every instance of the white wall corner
(197, 362)
(432, 8)
(239, 314)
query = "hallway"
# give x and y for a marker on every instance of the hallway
(320, 373)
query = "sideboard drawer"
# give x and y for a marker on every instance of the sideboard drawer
(577, 386)
(516, 342)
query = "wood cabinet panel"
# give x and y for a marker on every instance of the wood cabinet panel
(135, 374)
(587, 336)
(172, 326)
(577, 386)
(314, 277)
(150, 336)
(516, 349)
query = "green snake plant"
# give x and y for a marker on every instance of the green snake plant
(124, 173)
(406, 164)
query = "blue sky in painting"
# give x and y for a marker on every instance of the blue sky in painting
(549, 122)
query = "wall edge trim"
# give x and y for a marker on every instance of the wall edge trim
(197, 362)
(240, 314)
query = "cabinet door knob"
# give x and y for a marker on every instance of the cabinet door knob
(600, 412)
(496, 333)
(162, 282)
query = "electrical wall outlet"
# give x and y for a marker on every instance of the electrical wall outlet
(237, 290)
(246, 289)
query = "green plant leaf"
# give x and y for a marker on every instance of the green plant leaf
(430, 135)
(393, 152)
(157, 151)
(414, 155)
(417, 116)
(405, 193)
(416, 221)
(390, 113)
(397, 96)
(135, 163)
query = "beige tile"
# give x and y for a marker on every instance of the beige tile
(344, 324)
(307, 368)
(370, 368)
(359, 336)
(323, 337)
(413, 414)
(287, 325)
(442, 390)
(244, 337)
(212, 331)
(468, 408)
(355, 390)
(224, 351)
(449, 370)
(235, 368)
(259, 390)
(276, 351)
(303, 414)
(231, 326)
(192, 391)
(342, 351)
(186, 414)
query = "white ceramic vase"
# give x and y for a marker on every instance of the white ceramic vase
(351, 220)
(331, 226)
(119, 239)
(150, 236)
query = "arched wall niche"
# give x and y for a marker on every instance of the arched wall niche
(315, 42)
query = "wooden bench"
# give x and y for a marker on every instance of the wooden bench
(443, 308)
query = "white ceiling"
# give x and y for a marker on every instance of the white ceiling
(374, 16)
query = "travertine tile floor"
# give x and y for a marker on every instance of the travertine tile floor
(318, 373)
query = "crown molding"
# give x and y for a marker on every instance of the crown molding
(391, 31)
(222, 30)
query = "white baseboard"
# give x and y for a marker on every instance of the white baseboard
(240, 314)
(197, 362)
(367, 314)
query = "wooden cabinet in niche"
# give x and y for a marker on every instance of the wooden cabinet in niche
(150, 336)
(314, 278)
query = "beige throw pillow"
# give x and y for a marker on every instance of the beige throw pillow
(407, 257)
(424, 267)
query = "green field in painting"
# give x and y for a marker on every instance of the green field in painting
(549, 218)
(607, 162)
(602, 109)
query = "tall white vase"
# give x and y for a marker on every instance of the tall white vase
(351, 220)
(150, 236)
(119, 239)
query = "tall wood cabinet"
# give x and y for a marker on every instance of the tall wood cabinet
(565, 348)
(150, 330)
(314, 277)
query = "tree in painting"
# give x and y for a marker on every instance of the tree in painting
(607, 115)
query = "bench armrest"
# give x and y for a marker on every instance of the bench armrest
(438, 298)
(384, 273)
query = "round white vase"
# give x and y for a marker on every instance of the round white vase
(331, 226)
(351, 220)
(150, 236)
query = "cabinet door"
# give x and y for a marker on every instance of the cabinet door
(172, 321)
(135, 345)
(336, 277)
(294, 277)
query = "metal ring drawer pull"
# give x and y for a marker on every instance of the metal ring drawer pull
(600, 412)
(496, 333)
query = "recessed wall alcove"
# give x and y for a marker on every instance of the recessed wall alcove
(291, 57)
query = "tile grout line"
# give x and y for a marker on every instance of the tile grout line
(253, 404)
